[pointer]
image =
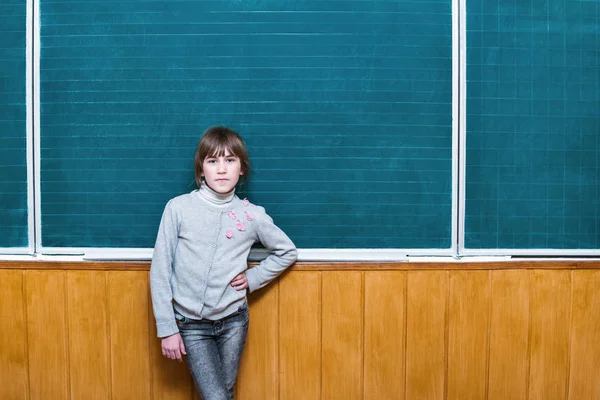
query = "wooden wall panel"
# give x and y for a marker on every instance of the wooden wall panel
(468, 320)
(342, 340)
(130, 352)
(13, 337)
(385, 339)
(426, 316)
(321, 333)
(550, 329)
(171, 380)
(89, 347)
(300, 335)
(509, 335)
(585, 337)
(47, 334)
(259, 369)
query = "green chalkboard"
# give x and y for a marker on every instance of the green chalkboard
(346, 107)
(13, 130)
(533, 125)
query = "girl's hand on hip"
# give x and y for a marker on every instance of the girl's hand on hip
(173, 347)
(240, 282)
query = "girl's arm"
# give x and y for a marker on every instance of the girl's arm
(282, 251)
(161, 271)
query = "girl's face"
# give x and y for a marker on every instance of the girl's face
(222, 173)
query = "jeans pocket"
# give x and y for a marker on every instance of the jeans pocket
(180, 319)
(243, 309)
(242, 315)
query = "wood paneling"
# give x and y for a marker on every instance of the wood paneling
(385, 338)
(342, 340)
(585, 337)
(259, 369)
(509, 335)
(550, 329)
(130, 358)
(87, 306)
(300, 336)
(393, 332)
(426, 321)
(13, 337)
(468, 321)
(418, 265)
(47, 337)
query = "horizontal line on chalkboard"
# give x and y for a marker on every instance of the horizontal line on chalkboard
(267, 205)
(287, 193)
(296, 224)
(291, 170)
(536, 149)
(294, 192)
(543, 200)
(262, 158)
(337, 217)
(244, 11)
(535, 99)
(490, 132)
(248, 102)
(546, 114)
(257, 124)
(220, 116)
(237, 114)
(129, 90)
(248, 12)
(258, 181)
(286, 147)
(250, 23)
(299, 79)
(302, 57)
(287, 45)
(15, 92)
(155, 228)
(264, 135)
(320, 124)
(279, 68)
(245, 34)
(512, 165)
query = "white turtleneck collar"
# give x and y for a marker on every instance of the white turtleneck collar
(206, 193)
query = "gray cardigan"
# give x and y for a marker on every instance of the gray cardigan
(203, 242)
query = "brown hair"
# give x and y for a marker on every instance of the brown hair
(215, 141)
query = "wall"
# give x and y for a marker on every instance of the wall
(322, 331)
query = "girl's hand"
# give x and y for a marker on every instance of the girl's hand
(172, 347)
(240, 282)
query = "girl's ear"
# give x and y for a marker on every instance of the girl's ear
(241, 173)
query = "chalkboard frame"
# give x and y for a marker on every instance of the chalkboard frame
(457, 250)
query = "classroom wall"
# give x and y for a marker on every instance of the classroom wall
(519, 330)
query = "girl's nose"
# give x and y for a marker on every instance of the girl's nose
(222, 167)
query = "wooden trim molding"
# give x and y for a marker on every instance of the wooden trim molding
(320, 266)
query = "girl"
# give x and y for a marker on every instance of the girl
(199, 276)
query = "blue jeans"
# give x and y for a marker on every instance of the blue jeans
(214, 349)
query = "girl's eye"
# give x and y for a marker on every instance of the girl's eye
(211, 161)
(230, 160)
